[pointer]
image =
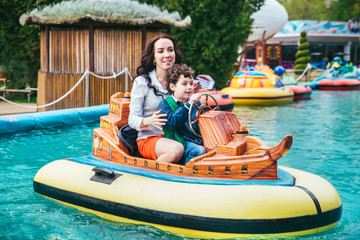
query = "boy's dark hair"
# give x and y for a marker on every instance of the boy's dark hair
(174, 74)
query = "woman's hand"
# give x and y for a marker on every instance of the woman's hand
(156, 120)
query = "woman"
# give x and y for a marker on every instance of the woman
(149, 89)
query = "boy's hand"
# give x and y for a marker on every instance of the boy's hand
(156, 120)
(195, 97)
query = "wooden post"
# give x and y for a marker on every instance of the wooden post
(87, 90)
(47, 48)
(91, 62)
(126, 81)
(143, 38)
(91, 48)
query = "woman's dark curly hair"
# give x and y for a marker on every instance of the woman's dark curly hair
(147, 59)
(174, 74)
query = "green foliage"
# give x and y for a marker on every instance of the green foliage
(331, 10)
(23, 98)
(344, 10)
(210, 45)
(302, 39)
(300, 66)
(306, 9)
(303, 53)
(19, 46)
(304, 45)
(301, 60)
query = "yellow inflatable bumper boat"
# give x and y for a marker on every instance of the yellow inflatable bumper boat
(255, 88)
(235, 189)
(298, 203)
(259, 96)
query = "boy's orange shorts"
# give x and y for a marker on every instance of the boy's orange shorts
(147, 147)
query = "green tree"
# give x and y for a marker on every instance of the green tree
(303, 53)
(344, 10)
(19, 45)
(210, 45)
(306, 9)
(327, 10)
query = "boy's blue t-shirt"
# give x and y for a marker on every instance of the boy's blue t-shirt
(178, 120)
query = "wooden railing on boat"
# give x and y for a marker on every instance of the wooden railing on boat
(230, 154)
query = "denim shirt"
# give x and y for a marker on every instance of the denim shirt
(178, 120)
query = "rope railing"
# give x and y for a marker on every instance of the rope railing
(308, 66)
(115, 75)
(85, 75)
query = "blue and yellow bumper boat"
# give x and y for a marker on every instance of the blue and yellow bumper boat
(236, 189)
(255, 88)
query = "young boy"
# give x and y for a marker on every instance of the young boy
(180, 84)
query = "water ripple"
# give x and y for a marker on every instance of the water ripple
(326, 131)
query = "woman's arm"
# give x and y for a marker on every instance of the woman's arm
(138, 93)
(136, 116)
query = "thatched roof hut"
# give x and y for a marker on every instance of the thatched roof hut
(106, 11)
(103, 36)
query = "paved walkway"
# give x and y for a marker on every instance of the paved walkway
(9, 109)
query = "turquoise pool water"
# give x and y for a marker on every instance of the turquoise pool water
(326, 131)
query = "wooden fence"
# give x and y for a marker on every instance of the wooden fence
(67, 52)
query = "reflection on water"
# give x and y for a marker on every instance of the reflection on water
(326, 131)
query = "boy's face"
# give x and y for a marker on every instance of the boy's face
(183, 89)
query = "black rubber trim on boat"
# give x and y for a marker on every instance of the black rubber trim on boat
(222, 225)
(227, 107)
(313, 197)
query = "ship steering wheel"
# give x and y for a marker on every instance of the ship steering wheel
(204, 107)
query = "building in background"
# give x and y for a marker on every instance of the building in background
(327, 40)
